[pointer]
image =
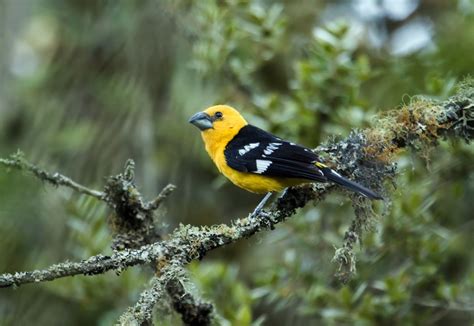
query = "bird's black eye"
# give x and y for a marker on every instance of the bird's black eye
(218, 114)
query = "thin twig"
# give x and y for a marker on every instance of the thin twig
(155, 203)
(18, 161)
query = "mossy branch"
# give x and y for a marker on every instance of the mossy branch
(168, 285)
(92, 266)
(366, 156)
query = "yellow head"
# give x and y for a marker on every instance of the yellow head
(218, 124)
(219, 119)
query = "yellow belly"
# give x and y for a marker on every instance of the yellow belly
(253, 182)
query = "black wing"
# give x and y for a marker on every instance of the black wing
(254, 150)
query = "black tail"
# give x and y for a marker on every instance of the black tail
(340, 180)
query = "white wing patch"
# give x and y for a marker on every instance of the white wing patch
(334, 172)
(271, 148)
(248, 148)
(262, 166)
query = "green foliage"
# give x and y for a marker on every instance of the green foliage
(236, 37)
(118, 79)
(220, 283)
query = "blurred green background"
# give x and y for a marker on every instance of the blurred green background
(86, 84)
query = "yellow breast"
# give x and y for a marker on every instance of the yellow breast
(252, 182)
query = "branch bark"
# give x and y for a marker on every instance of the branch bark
(94, 265)
(18, 161)
(168, 285)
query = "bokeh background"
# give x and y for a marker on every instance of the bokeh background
(86, 84)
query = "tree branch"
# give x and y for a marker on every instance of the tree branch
(184, 245)
(168, 284)
(18, 161)
(94, 265)
(142, 312)
(155, 203)
(192, 310)
(133, 223)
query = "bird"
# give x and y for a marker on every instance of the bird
(260, 162)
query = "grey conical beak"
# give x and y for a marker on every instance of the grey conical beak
(201, 120)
